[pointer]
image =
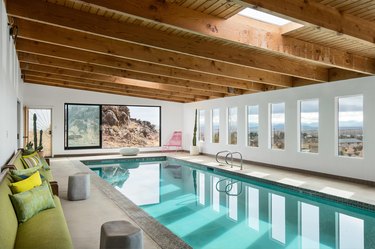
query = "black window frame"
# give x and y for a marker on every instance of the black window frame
(66, 137)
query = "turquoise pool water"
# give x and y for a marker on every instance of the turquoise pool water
(214, 210)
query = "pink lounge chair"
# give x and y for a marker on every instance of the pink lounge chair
(174, 142)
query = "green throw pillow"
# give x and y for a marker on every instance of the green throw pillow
(44, 163)
(22, 174)
(29, 203)
(32, 160)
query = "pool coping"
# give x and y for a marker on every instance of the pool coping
(297, 190)
(162, 235)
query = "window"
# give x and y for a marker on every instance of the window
(121, 126)
(82, 126)
(232, 125)
(215, 125)
(278, 126)
(252, 125)
(350, 126)
(309, 125)
(201, 125)
(127, 126)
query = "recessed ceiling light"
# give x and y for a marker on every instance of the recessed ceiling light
(264, 17)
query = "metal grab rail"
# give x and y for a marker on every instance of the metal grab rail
(231, 159)
(229, 153)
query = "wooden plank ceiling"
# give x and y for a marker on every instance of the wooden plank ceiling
(191, 50)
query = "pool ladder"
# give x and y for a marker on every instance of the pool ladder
(229, 153)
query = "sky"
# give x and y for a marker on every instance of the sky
(43, 119)
(278, 113)
(351, 111)
(145, 113)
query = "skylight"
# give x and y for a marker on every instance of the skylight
(264, 17)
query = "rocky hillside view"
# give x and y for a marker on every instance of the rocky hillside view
(120, 130)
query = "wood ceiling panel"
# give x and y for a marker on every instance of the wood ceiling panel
(361, 8)
(333, 41)
(315, 50)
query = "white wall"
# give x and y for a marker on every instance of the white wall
(55, 98)
(10, 90)
(326, 161)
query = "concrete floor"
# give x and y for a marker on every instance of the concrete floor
(84, 218)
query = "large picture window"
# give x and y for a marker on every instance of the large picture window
(82, 126)
(350, 126)
(121, 126)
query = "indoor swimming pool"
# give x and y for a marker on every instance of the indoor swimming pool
(210, 209)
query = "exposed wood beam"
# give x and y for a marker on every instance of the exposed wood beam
(67, 84)
(63, 74)
(81, 69)
(78, 20)
(336, 74)
(132, 65)
(97, 44)
(236, 29)
(324, 16)
(106, 85)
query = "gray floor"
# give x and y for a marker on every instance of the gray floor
(84, 218)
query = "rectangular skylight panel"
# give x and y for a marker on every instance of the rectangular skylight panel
(264, 17)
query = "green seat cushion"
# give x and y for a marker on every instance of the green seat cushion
(8, 218)
(46, 230)
(29, 203)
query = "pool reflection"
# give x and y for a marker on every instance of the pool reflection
(208, 210)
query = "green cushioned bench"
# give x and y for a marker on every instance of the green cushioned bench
(45, 230)
(16, 163)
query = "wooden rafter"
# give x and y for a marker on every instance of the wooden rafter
(64, 74)
(96, 44)
(321, 15)
(103, 85)
(236, 29)
(64, 66)
(87, 61)
(67, 84)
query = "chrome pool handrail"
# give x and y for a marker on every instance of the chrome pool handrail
(231, 159)
(220, 152)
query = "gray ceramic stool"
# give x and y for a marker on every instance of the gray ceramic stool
(120, 234)
(79, 187)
